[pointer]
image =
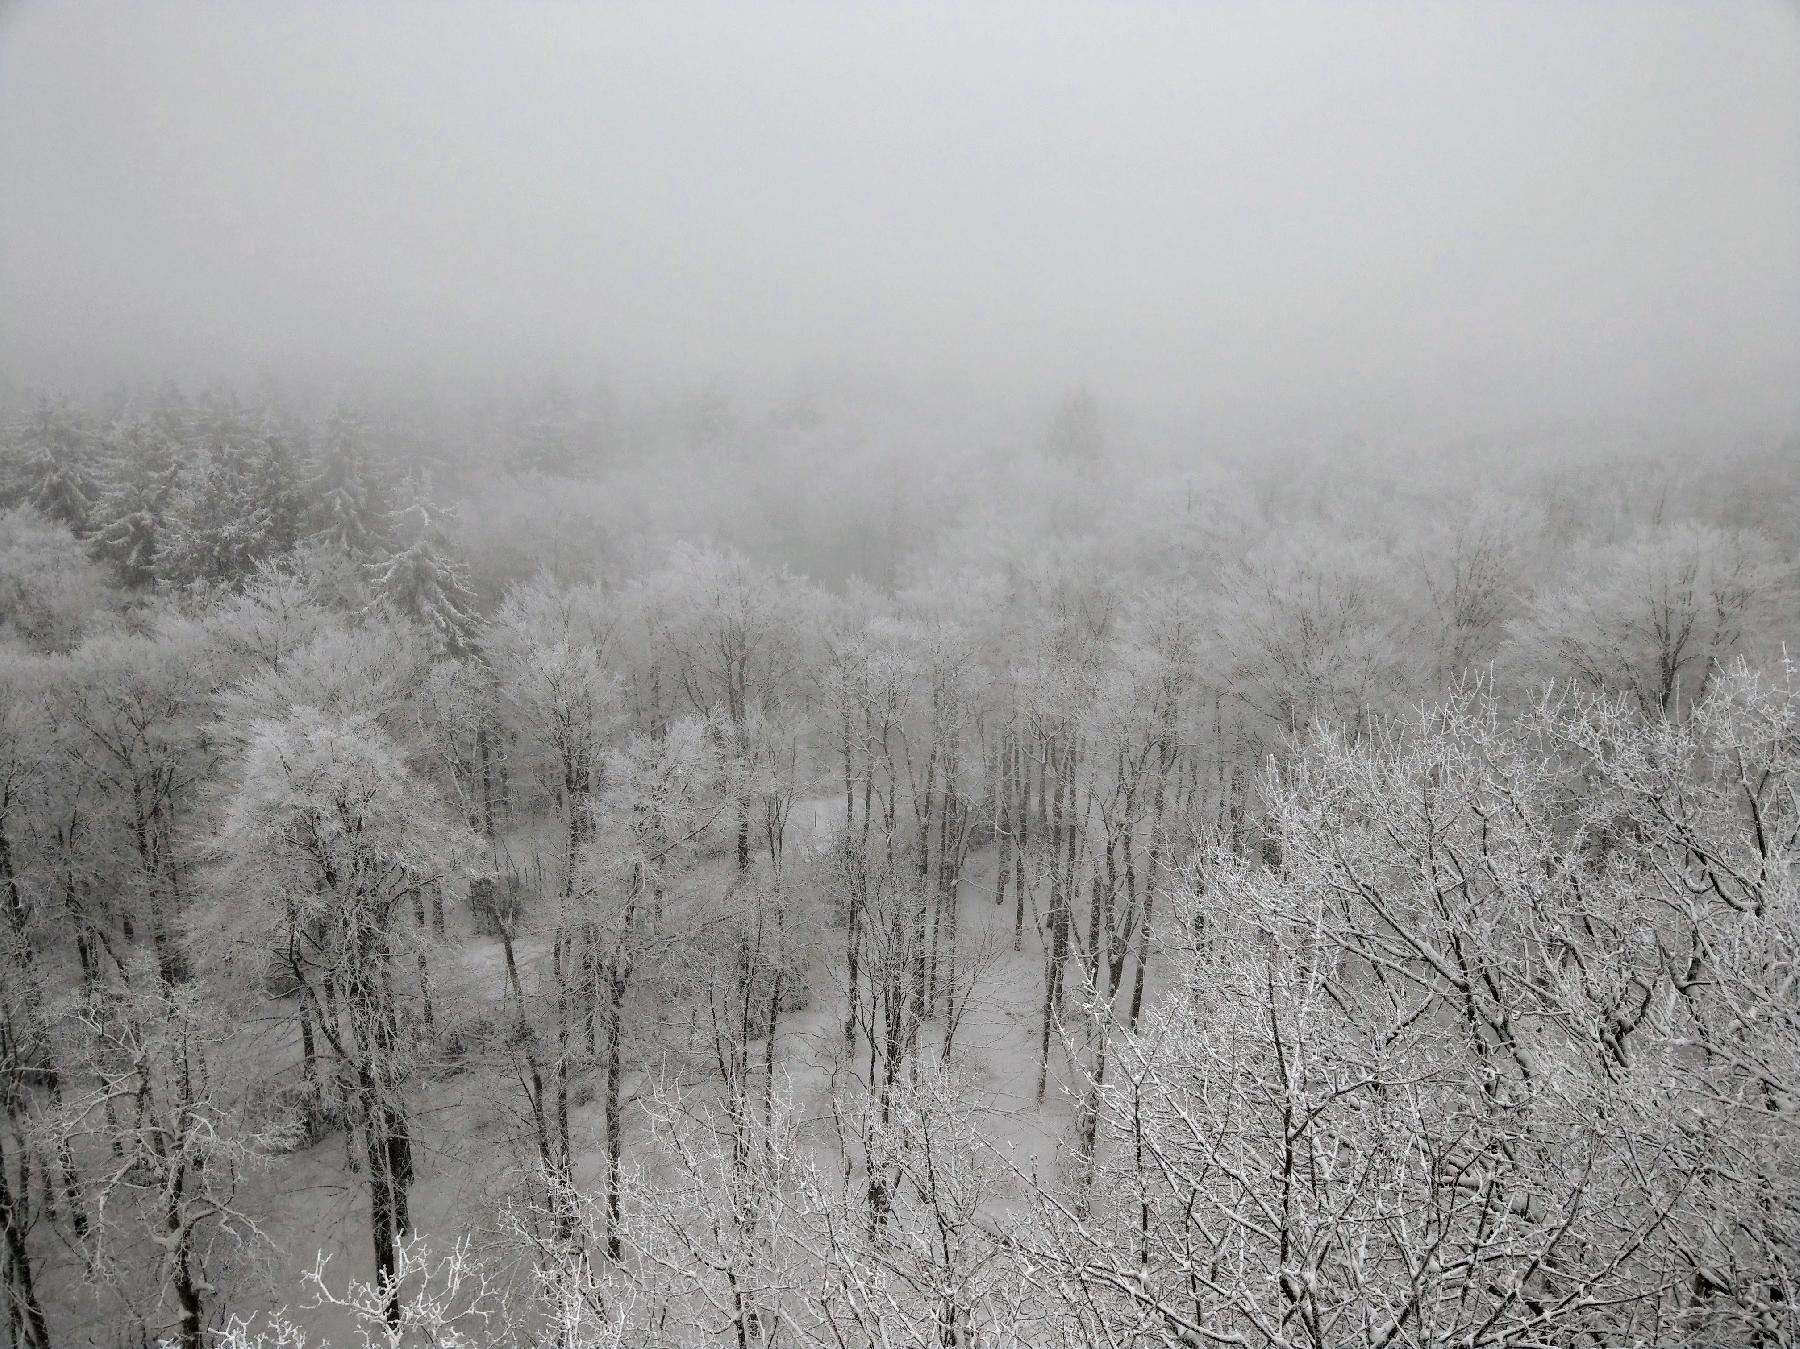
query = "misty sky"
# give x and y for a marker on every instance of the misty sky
(1563, 209)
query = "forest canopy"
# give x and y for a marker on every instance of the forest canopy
(597, 873)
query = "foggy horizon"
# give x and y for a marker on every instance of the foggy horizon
(1399, 216)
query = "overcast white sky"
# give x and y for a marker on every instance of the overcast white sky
(1567, 209)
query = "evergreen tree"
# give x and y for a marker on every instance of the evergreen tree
(131, 516)
(221, 524)
(348, 503)
(220, 418)
(278, 487)
(61, 491)
(57, 476)
(424, 582)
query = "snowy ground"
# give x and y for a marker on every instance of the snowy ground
(467, 1121)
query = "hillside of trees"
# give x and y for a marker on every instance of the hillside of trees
(600, 870)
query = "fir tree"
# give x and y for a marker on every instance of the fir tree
(131, 516)
(424, 582)
(220, 527)
(57, 479)
(348, 508)
(278, 487)
(61, 491)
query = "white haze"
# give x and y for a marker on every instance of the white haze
(1497, 213)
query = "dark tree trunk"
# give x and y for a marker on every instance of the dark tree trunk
(22, 1288)
(615, 1115)
(485, 757)
(1022, 778)
(1057, 937)
(853, 940)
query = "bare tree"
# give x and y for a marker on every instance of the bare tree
(1450, 1071)
(167, 1111)
(328, 835)
(1656, 616)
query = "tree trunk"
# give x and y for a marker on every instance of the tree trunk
(187, 1288)
(853, 941)
(1022, 778)
(1147, 915)
(390, 1175)
(484, 755)
(381, 1230)
(1002, 820)
(1058, 938)
(615, 1117)
(22, 1299)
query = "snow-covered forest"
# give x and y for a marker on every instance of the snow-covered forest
(1031, 675)
(1024, 899)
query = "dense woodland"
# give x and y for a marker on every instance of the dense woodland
(611, 870)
